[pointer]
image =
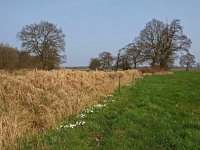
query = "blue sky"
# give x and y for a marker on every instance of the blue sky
(93, 26)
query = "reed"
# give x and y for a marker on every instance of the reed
(33, 101)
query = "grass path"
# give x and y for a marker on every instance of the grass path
(158, 112)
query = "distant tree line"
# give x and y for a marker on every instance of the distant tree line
(12, 58)
(156, 45)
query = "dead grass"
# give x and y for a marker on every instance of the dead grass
(153, 70)
(33, 101)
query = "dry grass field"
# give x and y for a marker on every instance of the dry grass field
(33, 101)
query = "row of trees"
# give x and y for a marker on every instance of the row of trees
(12, 58)
(103, 61)
(43, 45)
(157, 45)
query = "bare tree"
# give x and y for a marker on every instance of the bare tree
(117, 61)
(187, 61)
(161, 41)
(94, 64)
(44, 40)
(198, 65)
(122, 60)
(106, 60)
(173, 40)
(150, 39)
(135, 54)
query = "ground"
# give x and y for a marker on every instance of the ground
(155, 112)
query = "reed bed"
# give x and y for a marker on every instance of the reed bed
(33, 101)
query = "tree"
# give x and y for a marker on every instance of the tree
(187, 61)
(94, 64)
(121, 61)
(150, 41)
(8, 57)
(173, 40)
(44, 40)
(25, 60)
(135, 54)
(198, 65)
(117, 63)
(106, 60)
(160, 41)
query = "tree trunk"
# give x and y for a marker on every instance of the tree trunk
(187, 68)
(135, 65)
(153, 63)
(164, 65)
(117, 67)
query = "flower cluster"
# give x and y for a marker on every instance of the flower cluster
(106, 101)
(89, 110)
(108, 96)
(100, 105)
(78, 123)
(83, 115)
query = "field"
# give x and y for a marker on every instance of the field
(34, 101)
(156, 112)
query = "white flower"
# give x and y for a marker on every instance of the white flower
(81, 116)
(105, 101)
(109, 95)
(100, 105)
(77, 123)
(70, 126)
(80, 123)
(83, 122)
(89, 110)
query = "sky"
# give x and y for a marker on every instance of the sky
(93, 26)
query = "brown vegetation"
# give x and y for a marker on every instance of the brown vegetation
(32, 101)
(11, 58)
(153, 70)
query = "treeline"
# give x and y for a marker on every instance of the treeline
(157, 45)
(43, 45)
(12, 58)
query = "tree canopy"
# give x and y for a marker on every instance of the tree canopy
(187, 61)
(106, 60)
(160, 41)
(44, 40)
(95, 64)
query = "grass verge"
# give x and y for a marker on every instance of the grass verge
(158, 112)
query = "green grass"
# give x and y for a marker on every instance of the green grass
(158, 112)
